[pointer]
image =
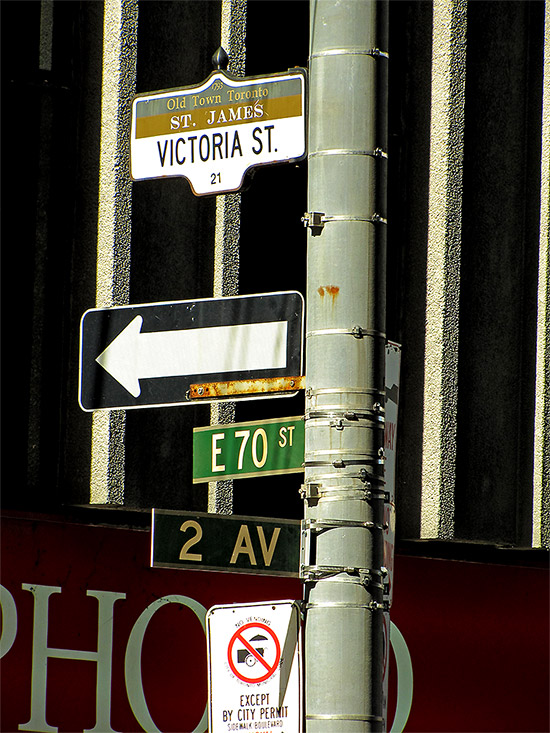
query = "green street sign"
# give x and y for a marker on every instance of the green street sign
(231, 544)
(245, 450)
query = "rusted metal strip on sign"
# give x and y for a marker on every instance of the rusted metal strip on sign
(208, 390)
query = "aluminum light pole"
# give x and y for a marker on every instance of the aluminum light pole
(342, 537)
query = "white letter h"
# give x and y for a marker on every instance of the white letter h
(41, 651)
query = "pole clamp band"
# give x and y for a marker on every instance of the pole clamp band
(364, 576)
(376, 153)
(376, 412)
(320, 525)
(347, 458)
(374, 52)
(323, 391)
(357, 332)
(316, 220)
(345, 716)
(372, 606)
(315, 491)
(363, 475)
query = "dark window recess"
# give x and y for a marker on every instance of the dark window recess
(499, 272)
(41, 93)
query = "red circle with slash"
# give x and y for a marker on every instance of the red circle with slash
(252, 656)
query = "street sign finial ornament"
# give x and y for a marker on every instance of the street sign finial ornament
(220, 59)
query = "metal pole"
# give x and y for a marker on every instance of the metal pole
(342, 538)
(227, 234)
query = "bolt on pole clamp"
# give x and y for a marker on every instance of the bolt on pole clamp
(377, 495)
(315, 221)
(375, 606)
(367, 478)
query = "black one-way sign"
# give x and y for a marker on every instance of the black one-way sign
(148, 355)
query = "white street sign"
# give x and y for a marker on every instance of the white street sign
(214, 132)
(254, 667)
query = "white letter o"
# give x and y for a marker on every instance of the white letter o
(132, 661)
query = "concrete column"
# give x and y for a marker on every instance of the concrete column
(443, 269)
(114, 225)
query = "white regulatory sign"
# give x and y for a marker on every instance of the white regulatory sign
(254, 667)
(213, 133)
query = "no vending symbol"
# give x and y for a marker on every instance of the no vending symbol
(254, 652)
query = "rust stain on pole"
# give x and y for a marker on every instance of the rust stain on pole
(331, 290)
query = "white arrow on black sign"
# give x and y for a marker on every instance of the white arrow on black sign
(134, 355)
(149, 355)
